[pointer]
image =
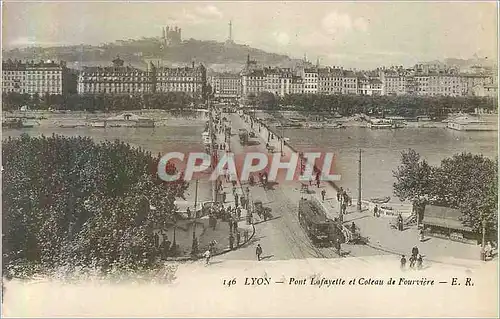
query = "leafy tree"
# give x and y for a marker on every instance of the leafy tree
(465, 181)
(413, 177)
(68, 201)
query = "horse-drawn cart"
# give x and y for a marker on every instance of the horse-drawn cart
(262, 212)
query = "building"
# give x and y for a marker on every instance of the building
(445, 222)
(171, 36)
(226, 86)
(367, 86)
(310, 77)
(330, 81)
(32, 78)
(120, 79)
(350, 83)
(252, 79)
(116, 79)
(191, 80)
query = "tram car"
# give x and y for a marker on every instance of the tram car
(322, 230)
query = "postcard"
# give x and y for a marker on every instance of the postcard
(249, 159)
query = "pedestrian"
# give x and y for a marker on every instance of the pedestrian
(238, 238)
(207, 256)
(375, 211)
(238, 213)
(339, 194)
(343, 208)
(318, 182)
(488, 250)
(235, 226)
(323, 193)
(213, 247)
(403, 262)
(246, 235)
(258, 252)
(421, 235)
(231, 241)
(353, 228)
(413, 260)
(419, 261)
(414, 251)
(339, 247)
(236, 200)
(400, 222)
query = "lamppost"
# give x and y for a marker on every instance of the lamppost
(195, 241)
(282, 139)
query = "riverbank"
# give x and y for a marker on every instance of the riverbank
(78, 119)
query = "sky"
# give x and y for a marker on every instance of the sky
(350, 34)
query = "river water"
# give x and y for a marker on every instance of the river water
(381, 149)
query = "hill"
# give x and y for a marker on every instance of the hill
(138, 52)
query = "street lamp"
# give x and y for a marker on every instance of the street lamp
(282, 139)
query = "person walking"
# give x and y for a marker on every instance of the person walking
(323, 194)
(421, 235)
(236, 199)
(238, 239)
(338, 246)
(231, 241)
(375, 211)
(258, 252)
(400, 222)
(207, 256)
(420, 261)
(339, 194)
(403, 262)
(414, 252)
(246, 235)
(413, 260)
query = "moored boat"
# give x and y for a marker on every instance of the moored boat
(380, 200)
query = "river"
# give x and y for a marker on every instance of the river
(381, 149)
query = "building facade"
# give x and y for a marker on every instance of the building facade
(191, 80)
(226, 86)
(32, 78)
(310, 77)
(117, 79)
(120, 79)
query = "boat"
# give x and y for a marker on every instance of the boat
(97, 124)
(16, 123)
(380, 200)
(129, 120)
(315, 126)
(472, 123)
(380, 124)
(333, 125)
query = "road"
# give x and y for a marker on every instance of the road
(282, 237)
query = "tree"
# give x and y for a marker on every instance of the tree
(468, 182)
(267, 100)
(413, 177)
(68, 201)
(465, 181)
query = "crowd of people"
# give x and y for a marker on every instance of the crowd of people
(416, 260)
